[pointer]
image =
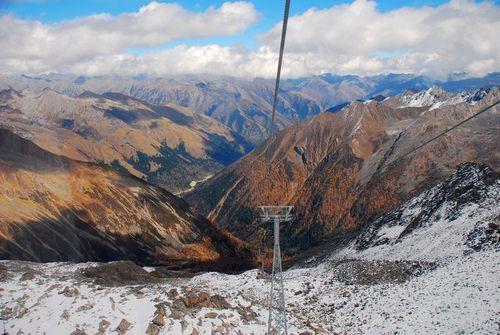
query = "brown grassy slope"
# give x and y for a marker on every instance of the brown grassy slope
(57, 209)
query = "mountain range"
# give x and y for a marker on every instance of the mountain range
(340, 169)
(344, 168)
(244, 105)
(168, 145)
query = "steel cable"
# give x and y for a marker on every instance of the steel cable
(280, 63)
(420, 146)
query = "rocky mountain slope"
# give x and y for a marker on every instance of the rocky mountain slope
(342, 169)
(167, 145)
(244, 105)
(57, 209)
(428, 267)
(462, 212)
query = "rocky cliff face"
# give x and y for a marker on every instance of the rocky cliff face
(57, 209)
(167, 145)
(341, 170)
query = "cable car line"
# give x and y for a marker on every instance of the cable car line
(280, 63)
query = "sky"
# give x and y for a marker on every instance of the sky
(241, 38)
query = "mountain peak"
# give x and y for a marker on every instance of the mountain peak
(89, 94)
(435, 97)
(477, 95)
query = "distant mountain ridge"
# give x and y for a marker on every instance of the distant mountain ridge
(244, 105)
(436, 97)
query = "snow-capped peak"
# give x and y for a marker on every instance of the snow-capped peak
(425, 98)
(474, 97)
(436, 97)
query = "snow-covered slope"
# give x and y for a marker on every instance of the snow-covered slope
(443, 222)
(429, 267)
(436, 97)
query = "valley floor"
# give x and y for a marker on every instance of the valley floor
(459, 296)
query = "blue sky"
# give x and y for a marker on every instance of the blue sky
(431, 37)
(55, 10)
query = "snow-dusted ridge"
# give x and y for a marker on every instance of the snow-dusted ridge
(428, 267)
(442, 223)
(436, 97)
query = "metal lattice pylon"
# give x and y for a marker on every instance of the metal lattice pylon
(277, 312)
(277, 309)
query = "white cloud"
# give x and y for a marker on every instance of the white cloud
(42, 47)
(351, 38)
(457, 36)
